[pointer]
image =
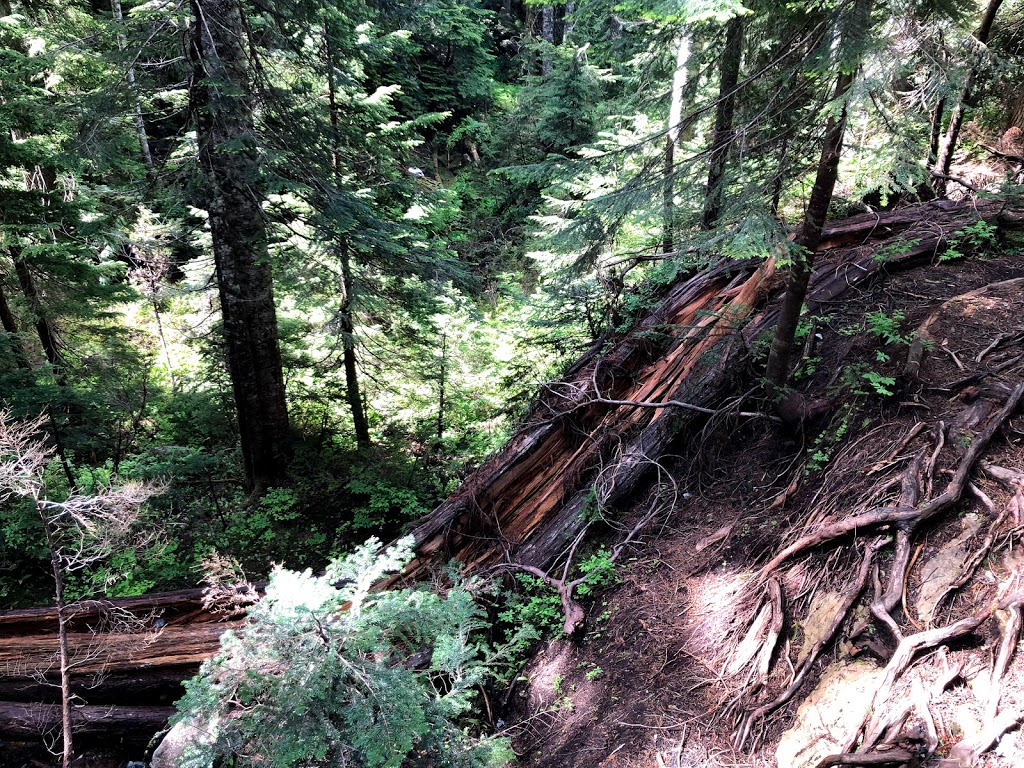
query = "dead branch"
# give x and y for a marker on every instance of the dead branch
(869, 758)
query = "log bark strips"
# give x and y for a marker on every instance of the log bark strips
(527, 502)
(29, 721)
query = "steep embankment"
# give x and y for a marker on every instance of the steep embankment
(849, 595)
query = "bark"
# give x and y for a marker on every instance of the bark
(723, 133)
(547, 33)
(352, 389)
(936, 130)
(1017, 113)
(228, 156)
(777, 369)
(10, 326)
(441, 387)
(30, 721)
(947, 147)
(569, 23)
(674, 123)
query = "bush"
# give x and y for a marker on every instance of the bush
(330, 673)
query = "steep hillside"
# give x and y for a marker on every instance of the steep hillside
(849, 584)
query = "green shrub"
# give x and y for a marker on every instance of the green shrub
(329, 673)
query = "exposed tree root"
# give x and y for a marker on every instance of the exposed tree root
(744, 729)
(872, 758)
(905, 516)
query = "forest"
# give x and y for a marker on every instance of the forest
(504, 382)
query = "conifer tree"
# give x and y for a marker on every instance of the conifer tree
(228, 155)
(802, 259)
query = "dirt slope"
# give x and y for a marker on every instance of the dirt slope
(931, 477)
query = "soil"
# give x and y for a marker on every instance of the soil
(649, 683)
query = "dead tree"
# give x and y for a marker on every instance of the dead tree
(80, 531)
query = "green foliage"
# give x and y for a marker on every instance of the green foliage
(886, 326)
(538, 606)
(328, 672)
(827, 441)
(973, 238)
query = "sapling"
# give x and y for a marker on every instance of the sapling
(81, 531)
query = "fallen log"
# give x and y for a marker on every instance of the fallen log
(100, 653)
(33, 721)
(166, 605)
(579, 449)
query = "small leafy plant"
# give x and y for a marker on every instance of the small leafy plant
(972, 237)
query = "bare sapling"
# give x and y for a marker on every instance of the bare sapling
(81, 531)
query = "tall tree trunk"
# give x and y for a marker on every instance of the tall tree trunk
(569, 23)
(777, 371)
(140, 123)
(723, 135)
(352, 389)
(442, 387)
(227, 154)
(675, 118)
(10, 326)
(944, 161)
(353, 392)
(547, 32)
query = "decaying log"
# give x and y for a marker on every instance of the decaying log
(32, 721)
(528, 502)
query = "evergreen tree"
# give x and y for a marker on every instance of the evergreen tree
(234, 194)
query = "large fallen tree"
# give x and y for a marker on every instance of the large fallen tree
(595, 434)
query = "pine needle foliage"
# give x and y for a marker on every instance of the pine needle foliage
(329, 673)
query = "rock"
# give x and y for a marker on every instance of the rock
(179, 738)
(942, 570)
(830, 717)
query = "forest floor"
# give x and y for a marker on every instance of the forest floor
(701, 656)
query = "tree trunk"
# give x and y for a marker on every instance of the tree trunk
(777, 370)
(228, 157)
(944, 161)
(441, 387)
(569, 23)
(352, 388)
(1017, 113)
(140, 123)
(44, 328)
(10, 326)
(936, 130)
(675, 118)
(547, 32)
(723, 135)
